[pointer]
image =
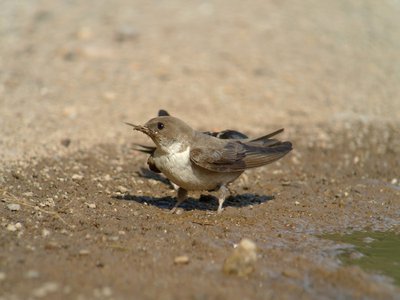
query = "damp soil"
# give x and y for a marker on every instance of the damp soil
(96, 224)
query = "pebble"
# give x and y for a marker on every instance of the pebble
(103, 292)
(52, 246)
(2, 276)
(32, 274)
(122, 189)
(356, 255)
(84, 252)
(45, 289)
(107, 177)
(77, 177)
(45, 232)
(14, 227)
(296, 203)
(394, 181)
(91, 205)
(66, 142)
(28, 194)
(14, 206)
(368, 240)
(292, 273)
(242, 260)
(181, 260)
(48, 202)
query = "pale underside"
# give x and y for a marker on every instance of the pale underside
(178, 168)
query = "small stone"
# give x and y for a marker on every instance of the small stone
(11, 227)
(32, 274)
(122, 189)
(45, 289)
(52, 246)
(242, 260)
(28, 194)
(84, 252)
(181, 260)
(66, 142)
(45, 232)
(77, 177)
(14, 206)
(107, 177)
(356, 255)
(179, 211)
(113, 238)
(104, 292)
(48, 202)
(91, 205)
(368, 240)
(295, 160)
(2, 276)
(394, 181)
(356, 160)
(296, 203)
(292, 273)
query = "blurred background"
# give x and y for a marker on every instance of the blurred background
(75, 70)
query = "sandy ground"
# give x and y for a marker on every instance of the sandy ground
(93, 224)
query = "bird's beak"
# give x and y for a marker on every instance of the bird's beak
(140, 128)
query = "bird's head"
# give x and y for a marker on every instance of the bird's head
(166, 131)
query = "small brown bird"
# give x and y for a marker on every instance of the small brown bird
(198, 161)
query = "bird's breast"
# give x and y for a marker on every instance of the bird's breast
(178, 168)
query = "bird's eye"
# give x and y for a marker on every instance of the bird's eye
(160, 125)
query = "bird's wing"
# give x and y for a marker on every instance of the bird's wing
(227, 134)
(144, 148)
(238, 156)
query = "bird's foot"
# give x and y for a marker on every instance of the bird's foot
(182, 196)
(223, 193)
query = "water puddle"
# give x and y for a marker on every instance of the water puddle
(373, 251)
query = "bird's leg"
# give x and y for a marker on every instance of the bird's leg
(222, 196)
(174, 186)
(181, 196)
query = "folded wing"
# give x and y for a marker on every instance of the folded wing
(239, 156)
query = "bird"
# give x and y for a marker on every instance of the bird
(197, 161)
